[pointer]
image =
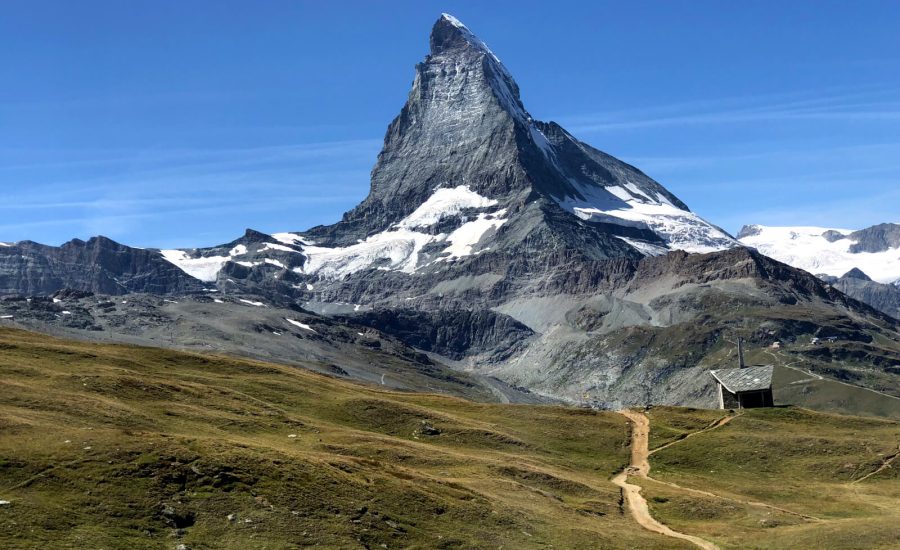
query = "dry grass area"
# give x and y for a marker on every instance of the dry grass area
(789, 463)
(105, 446)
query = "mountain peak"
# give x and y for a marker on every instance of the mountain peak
(856, 273)
(449, 33)
(465, 136)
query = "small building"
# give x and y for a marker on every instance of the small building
(744, 388)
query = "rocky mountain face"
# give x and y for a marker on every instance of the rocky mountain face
(469, 191)
(858, 285)
(504, 247)
(98, 265)
(243, 326)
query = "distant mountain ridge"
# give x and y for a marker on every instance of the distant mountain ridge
(864, 264)
(856, 284)
(875, 250)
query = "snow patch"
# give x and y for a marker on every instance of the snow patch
(444, 203)
(290, 238)
(276, 263)
(252, 303)
(304, 326)
(470, 233)
(239, 250)
(394, 250)
(645, 248)
(205, 269)
(398, 248)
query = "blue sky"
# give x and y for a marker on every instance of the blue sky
(176, 124)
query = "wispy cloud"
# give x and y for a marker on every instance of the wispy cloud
(866, 105)
(776, 154)
(150, 172)
(822, 210)
(121, 193)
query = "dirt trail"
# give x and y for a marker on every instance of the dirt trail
(640, 466)
(717, 424)
(888, 462)
(817, 377)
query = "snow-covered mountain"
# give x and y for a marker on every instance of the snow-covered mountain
(830, 251)
(465, 169)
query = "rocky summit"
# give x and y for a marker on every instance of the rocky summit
(498, 245)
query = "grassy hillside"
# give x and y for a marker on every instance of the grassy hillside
(809, 467)
(105, 446)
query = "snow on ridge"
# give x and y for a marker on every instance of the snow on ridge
(501, 78)
(806, 248)
(252, 303)
(398, 248)
(629, 206)
(207, 269)
(444, 202)
(290, 238)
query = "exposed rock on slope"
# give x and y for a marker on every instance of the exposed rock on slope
(98, 265)
(855, 283)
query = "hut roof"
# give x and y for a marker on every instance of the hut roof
(746, 379)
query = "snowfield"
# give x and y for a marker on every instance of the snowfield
(304, 326)
(444, 203)
(205, 269)
(629, 206)
(807, 249)
(399, 247)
